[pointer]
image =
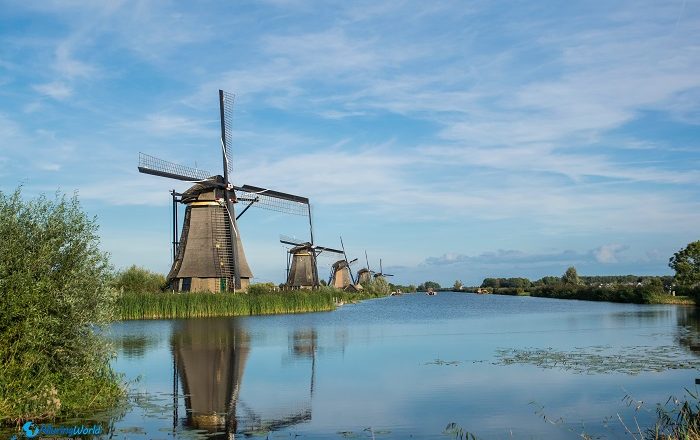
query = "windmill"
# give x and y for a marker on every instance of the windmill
(341, 273)
(209, 255)
(381, 271)
(364, 275)
(302, 266)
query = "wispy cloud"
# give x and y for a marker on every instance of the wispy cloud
(531, 122)
(162, 124)
(609, 253)
(56, 90)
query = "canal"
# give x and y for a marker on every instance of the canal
(413, 366)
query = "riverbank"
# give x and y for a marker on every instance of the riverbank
(159, 305)
(618, 294)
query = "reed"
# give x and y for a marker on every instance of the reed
(160, 305)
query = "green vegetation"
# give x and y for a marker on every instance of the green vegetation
(138, 279)
(625, 289)
(429, 285)
(404, 289)
(686, 263)
(55, 293)
(378, 286)
(570, 277)
(685, 285)
(261, 299)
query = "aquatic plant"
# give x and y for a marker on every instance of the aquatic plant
(601, 359)
(457, 432)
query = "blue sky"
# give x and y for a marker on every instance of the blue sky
(455, 140)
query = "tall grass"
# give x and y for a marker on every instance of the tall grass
(139, 305)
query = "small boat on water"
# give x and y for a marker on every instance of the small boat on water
(396, 293)
(431, 292)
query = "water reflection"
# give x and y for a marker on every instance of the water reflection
(210, 358)
(134, 346)
(688, 333)
(368, 366)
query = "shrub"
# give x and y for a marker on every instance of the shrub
(138, 279)
(54, 291)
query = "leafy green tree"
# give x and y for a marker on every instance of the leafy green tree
(654, 286)
(686, 263)
(571, 276)
(137, 279)
(549, 281)
(491, 282)
(431, 285)
(457, 286)
(54, 291)
(379, 285)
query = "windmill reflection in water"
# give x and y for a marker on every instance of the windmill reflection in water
(209, 359)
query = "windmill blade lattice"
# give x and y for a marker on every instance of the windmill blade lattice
(227, 125)
(291, 241)
(273, 200)
(158, 167)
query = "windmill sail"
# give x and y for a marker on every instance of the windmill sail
(210, 253)
(158, 167)
(226, 101)
(273, 200)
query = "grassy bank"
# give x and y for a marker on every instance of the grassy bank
(619, 294)
(199, 305)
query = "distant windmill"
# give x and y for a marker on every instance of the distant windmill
(381, 271)
(364, 275)
(210, 254)
(302, 265)
(341, 273)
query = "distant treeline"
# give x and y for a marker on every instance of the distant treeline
(598, 280)
(613, 288)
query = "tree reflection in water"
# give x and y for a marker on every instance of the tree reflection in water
(688, 335)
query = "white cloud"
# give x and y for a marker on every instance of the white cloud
(46, 166)
(57, 90)
(163, 124)
(609, 253)
(69, 67)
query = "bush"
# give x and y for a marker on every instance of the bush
(54, 290)
(138, 279)
(378, 286)
(262, 288)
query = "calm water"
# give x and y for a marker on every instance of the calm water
(406, 367)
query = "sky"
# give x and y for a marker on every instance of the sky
(453, 140)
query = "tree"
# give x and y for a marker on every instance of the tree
(138, 279)
(379, 285)
(457, 286)
(686, 263)
(431, 285)
(54, 291)
(571, 276)
(491, 282)
(549, 281)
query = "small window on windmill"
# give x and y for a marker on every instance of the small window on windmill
(222, 284)
(186, 284)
